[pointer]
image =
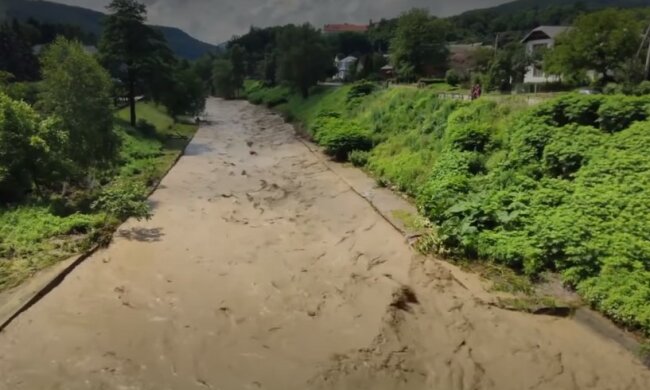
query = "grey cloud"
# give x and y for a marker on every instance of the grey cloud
(216, 21)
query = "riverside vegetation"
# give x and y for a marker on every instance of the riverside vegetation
(73, 165)
(561, 186)
(47, 229)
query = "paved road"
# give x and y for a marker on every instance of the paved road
(262, 269)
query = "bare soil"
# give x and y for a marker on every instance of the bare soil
(262, 269)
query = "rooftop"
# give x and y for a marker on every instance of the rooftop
(345, 27)
(545, 32)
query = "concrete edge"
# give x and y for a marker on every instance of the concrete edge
(19, 299)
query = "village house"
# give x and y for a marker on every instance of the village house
(536, 41)
(346, 68)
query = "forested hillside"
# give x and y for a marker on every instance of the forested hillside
(90, 21)
(521, 16)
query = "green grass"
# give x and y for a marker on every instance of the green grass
(37, 234)
(148, 156)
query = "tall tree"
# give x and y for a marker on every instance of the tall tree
(350, 43)
(77, 91)
(303, 57)
(508, 67)
(16, 56)
(419, 44)
(380, 34)
(236, 54)
(129, 48)
(222, 77)
(602, 41)
(186, 93)
(203, 69)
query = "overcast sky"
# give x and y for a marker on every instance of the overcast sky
(215, 21)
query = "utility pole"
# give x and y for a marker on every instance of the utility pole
(646, 69)
(645, 38)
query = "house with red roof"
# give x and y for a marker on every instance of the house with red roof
(344, 27)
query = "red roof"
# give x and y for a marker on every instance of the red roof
(345, 27)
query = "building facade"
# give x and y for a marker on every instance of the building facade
(540, 39)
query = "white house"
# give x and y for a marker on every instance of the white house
(539, 39)
(346, 68)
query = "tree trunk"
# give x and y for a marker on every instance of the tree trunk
(304, 89)
(132, 100)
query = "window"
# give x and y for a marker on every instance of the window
(539, 48)
(537, 71)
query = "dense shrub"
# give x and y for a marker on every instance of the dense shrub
(565, 154)
(31, 150)
(122, 200)
(571, 108)
(452, 77)
(257, 93)
(360, 89)
(276, 96)
(612, 89)
(18, 124)
(643, 88)
(358, 158)
(619, 113)
(25, 91)
(341, 137)
(471, 136)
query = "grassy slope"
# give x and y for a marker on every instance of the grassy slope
(34, 236)
(537, 189)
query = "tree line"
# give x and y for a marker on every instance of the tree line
(65, 132)
(603, 46)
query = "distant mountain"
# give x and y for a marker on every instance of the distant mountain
(526, 5)
(511, 20)
(179, 41)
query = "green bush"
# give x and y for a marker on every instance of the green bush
(25, 91)
(340, 137)
(276, 96)
(618, 113)
(124, 199)
(452, 77)
(257, 93)
(31, 150)
(358, 158)
(472, 136)
(565, 154)
(612, 89)
(643, 88)
(360, 89)
(571, 108)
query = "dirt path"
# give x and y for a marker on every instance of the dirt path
(261, 269)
